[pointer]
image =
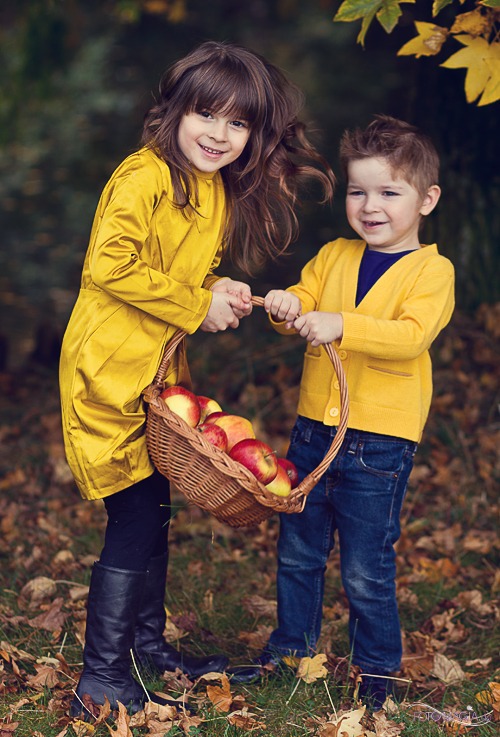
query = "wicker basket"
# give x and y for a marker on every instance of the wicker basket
(206, 475)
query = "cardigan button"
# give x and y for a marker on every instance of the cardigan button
(334, 411)
(336, 385)
(343, 355)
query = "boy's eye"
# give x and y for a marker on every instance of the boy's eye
(390, 193)
(355, 192)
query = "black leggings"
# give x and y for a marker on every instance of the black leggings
(137, 528)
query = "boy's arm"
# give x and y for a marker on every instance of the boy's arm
(423, 314)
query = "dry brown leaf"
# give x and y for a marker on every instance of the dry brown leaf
(51, 620)
(347, 724)
(478, 662)
(221, 696)
(243, 719)
(46, 677)
(6, 730)
(258, 638)
(160, 712)
(261, 607)
(310, 669)
(7, 647)
(447, 670)
(38, 588)
(385, 727)
(122, 723)
(187, 722)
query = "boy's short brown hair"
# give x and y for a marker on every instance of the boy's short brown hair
(409, 152)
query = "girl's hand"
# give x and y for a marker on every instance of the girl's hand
(320, 327)
(283, 306)
(222, 313)
(238, 288)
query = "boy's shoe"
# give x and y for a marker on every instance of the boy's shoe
(374, 690)
(257, 669)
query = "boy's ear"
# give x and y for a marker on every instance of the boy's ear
(430, 199)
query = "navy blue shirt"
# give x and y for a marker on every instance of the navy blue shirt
(373, 265)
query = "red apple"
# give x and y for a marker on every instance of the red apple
(208, 406)
(183, 403)
(214, 434)
(258, 457)
(214, 415)
(291, 471)
(280, 485)
(237, 428)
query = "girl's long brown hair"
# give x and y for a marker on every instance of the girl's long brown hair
(261, 184)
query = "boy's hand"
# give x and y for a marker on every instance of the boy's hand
(283, 306)
(239, 289)
(222, 313)
(320, 327)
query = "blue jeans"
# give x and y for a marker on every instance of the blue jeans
(360, 495)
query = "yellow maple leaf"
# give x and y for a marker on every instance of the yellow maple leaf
(310, 669)
(474, 57)
(473, 23)
(492, 89)
(428, 42)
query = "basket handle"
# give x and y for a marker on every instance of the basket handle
(311, 480)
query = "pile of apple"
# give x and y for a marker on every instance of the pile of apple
(235, 436)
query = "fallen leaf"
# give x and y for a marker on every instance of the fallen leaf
(46, 677)
(447, 670)
(310, 669)
(261, 607)
(51, 620)
(243, 719)
(38, 588)
(221, 696)
(122, 723)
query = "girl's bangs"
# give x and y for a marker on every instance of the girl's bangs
(230, 92)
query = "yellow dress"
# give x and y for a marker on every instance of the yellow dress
(147, 272)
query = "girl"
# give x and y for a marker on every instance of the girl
(215, 174)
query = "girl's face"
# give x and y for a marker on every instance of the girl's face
(211, 140)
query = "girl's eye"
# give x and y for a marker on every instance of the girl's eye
(238, 124)
(205, 114)
(389, 193)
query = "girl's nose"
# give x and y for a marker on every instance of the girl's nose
(218, 132)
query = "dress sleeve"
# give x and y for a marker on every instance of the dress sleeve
(423, 314)
(116, 263)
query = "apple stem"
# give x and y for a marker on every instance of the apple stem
(270, 454)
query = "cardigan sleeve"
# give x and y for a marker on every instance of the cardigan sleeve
(423, 313)
(115, 261)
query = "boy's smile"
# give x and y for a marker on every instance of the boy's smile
(383, 209)
(211, 140)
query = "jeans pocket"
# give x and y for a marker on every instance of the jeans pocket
(298, 434)
(381, 457)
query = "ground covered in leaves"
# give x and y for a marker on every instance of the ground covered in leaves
(221, 586)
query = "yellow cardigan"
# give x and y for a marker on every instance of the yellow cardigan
(147, 272)
(384, 348)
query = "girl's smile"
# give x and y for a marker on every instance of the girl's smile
(212, 140)
(383, 209)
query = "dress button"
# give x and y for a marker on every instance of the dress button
(343, 355)
(336, 385)
(334, 411)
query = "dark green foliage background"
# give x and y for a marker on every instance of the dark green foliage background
(78, 76)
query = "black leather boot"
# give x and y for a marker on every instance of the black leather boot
(152, 650)
(113, 603)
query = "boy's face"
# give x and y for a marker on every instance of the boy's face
(384, 210)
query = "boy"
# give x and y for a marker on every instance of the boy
(381, 300)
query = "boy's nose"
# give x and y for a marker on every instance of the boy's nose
(371, 204)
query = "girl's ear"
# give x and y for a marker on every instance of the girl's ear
(430, 199)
